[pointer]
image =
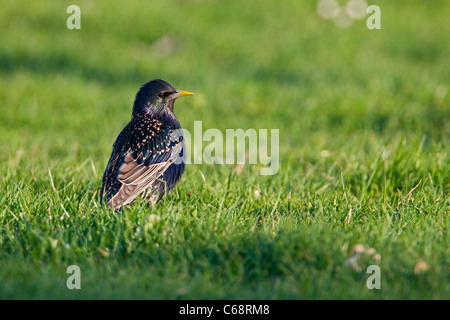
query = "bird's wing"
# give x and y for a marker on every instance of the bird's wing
(141, 167)
(138, 177)
(107, 179)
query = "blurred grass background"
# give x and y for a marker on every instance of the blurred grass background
(364, 117)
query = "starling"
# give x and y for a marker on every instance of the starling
(147, 157)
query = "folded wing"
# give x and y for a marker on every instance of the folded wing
(139, 162)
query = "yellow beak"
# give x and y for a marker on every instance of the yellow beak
(181, 93)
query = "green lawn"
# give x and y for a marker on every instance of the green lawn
(364, 120)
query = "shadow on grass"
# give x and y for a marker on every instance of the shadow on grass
(60, 64)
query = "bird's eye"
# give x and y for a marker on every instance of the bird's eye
(163, 94)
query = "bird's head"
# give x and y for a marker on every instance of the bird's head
(156, 96)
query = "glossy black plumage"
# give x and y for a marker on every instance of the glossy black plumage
(147, 156)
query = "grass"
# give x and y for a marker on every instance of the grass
(364, 149)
